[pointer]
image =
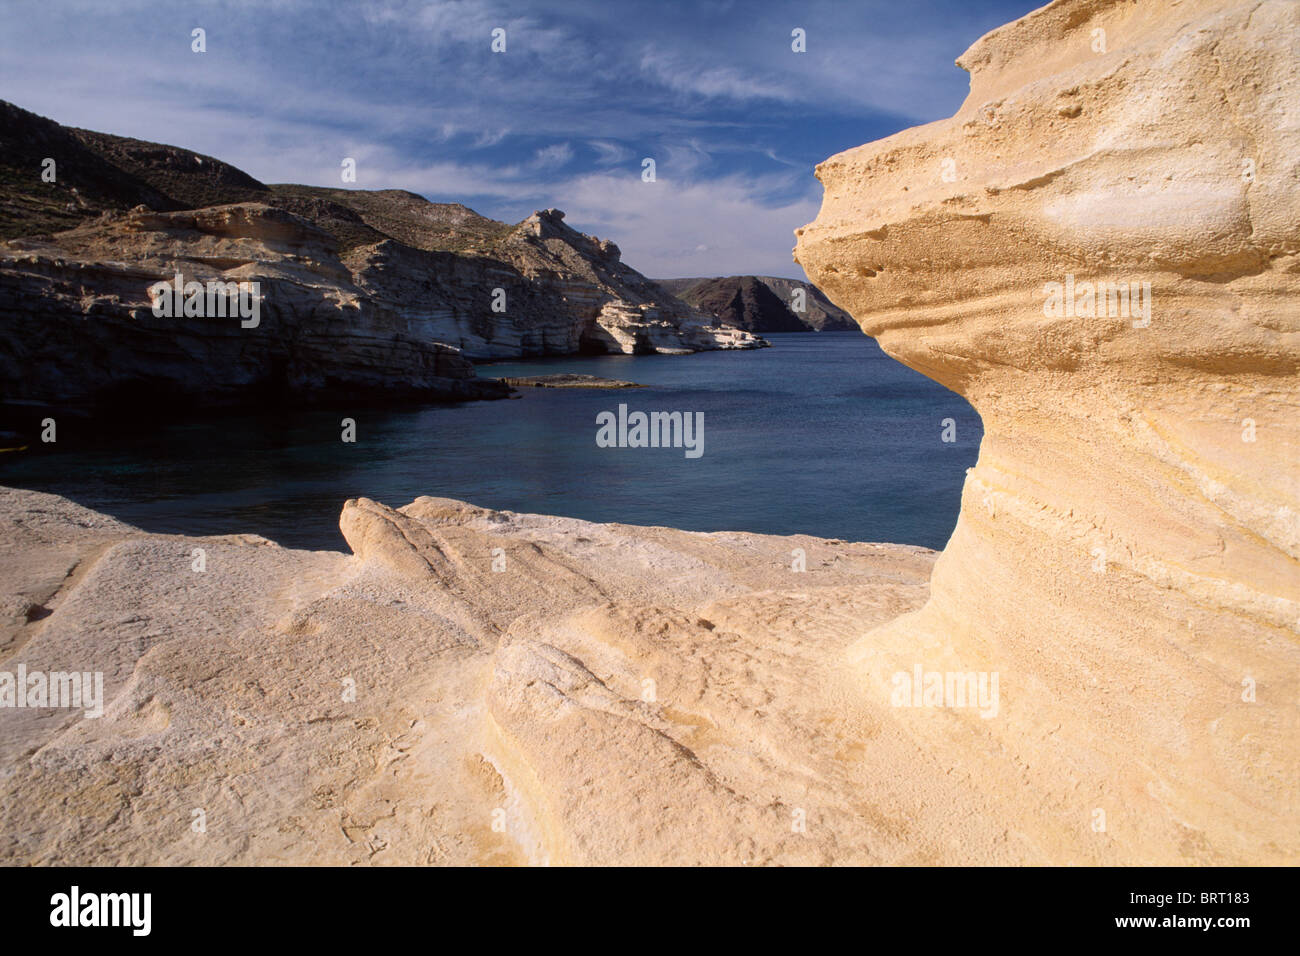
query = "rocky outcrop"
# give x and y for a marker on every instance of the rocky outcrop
(539, 288)
(77, 323)
(745, 302)
(382, 294)
(55, 177)
(1101, 251)
(762, 304)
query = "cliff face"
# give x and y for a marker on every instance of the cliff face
(77, 322)
(762, 303)
(376, 293)
(557, 290)
(1128, 551)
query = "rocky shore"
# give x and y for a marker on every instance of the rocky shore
(567, 380)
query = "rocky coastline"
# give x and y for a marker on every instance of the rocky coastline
(359, 296)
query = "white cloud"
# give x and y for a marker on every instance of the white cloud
(411, 90)
(670, 228)
(718, 81)
(553, 156)
(609, 153)
(490, 138)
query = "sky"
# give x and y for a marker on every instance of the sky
(734, 119)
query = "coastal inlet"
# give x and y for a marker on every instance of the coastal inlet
(822, 434)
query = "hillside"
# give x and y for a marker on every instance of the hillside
(381, 293)
(762, 303)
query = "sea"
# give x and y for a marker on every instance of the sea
(821, 434)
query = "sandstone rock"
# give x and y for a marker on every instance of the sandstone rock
(473, 686)
(609, 694)
(1128, 551)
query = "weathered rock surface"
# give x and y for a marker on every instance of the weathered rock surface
(560, 292)
(611, 694)
(762, 304)
(1128, 551)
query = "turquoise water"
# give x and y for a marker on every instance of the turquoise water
(822, 434)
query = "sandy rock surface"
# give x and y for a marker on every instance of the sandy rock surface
(613, 694)
(1128, 551)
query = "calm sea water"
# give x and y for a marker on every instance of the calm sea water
(822, 434)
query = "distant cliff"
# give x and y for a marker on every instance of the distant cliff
(762, 303)
(376, 294)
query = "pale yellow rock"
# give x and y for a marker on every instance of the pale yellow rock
(1128, 551)
(609, 694)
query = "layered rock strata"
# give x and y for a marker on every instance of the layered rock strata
(473, 686)
(79, 326)
(1101, 251)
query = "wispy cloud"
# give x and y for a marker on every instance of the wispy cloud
(609, 153)
(489, 137)
(553, 156)
(715, 227)
(717, 81)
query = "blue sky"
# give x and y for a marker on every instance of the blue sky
(734, 119)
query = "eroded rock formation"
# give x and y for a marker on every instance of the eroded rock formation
(1128, 551)
(470, 686)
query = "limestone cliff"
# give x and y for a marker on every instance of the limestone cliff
(1128, 551)
(560, 292)
(77, 323)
